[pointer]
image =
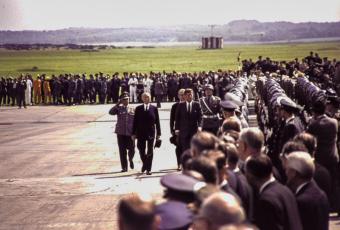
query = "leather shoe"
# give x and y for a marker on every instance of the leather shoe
(148, 173)
(143, 169)
(124, 170)
(132, 166)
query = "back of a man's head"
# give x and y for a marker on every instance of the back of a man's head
(319, 107)
(231, 123)
(259, 167)
(292, 146)
(207, 168)
(253, 138)
(302, 163)
(203, 141)
(218, 157)
(308, 140)
(222, 208)
(136, 214)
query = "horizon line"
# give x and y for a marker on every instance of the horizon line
(153, 26)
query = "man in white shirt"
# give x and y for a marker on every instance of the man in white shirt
(133, 81)
(28, 90)
(147, 82)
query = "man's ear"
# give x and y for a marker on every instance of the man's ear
(156, 222)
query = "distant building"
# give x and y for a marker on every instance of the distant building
(212, 42)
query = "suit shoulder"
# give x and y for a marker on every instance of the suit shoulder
(174, 106)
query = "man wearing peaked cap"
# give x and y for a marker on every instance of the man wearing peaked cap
(228, 106)
(211, 109)
(125, 116)
(230, 109)
(291, 125)
(180, 183)
(180, 191)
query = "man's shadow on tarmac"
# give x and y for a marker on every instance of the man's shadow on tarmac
(137, 175)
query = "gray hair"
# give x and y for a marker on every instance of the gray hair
(222, 208)
(302, 163)
(253, 137)
(146, 94)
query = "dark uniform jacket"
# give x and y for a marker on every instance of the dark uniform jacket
(125, 116)
(276, 209)
(291, 128)
(313, 207)
(146, 122)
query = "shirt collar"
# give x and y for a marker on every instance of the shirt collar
(301, 187)
(290, 119)
(237, 169)
(272, 179)
(224, 183)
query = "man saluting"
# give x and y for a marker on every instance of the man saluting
(145, 125)
(125, 115)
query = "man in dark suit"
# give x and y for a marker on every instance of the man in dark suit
(312, 201)
(275, 205)
(188, 119)
(145, 124)
(20, 91)
(325, 129)
(172, 125)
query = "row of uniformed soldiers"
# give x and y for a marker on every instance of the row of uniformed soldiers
(70, 89)
(287, 107)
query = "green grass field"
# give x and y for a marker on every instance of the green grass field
(152, 59)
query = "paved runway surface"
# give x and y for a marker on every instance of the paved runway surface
(60, 168)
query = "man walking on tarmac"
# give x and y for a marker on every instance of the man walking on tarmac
(125, 116)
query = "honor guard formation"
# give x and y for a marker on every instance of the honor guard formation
(282, 174)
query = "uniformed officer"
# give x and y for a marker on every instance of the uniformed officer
(125, 116)
(211, 110)
(292, 125)
(179, 192)
(230, 109)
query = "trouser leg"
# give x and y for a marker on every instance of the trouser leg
(149, 156)
(130, 147)
(141, 148)
(178, 154)
(122, 144)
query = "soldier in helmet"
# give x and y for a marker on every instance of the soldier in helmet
(211, 110)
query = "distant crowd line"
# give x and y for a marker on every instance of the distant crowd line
(100, 88)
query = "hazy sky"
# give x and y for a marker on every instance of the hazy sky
(56, 14)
